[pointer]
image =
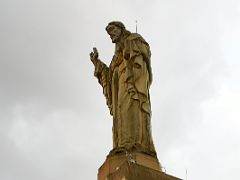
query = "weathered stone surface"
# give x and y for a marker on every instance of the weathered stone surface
(114, 162)
(126, 82)
(120, 168)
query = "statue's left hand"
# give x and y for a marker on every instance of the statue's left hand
(94, 56)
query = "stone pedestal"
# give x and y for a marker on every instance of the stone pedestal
(134, 166)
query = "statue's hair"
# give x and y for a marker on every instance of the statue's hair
(120, 25)
(116, 23)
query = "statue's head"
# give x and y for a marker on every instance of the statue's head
(116, 30)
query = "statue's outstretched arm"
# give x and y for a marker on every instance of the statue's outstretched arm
(101, 69)
(102, 74)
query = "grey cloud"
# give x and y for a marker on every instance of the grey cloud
(54, 123)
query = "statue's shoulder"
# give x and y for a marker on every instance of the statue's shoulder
(136, 37)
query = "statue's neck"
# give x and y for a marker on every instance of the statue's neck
(119, 46)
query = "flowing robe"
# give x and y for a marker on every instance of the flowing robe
(126, 85)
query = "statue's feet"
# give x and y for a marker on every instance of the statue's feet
(131, 149)
(118, 151)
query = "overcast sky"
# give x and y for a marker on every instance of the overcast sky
(54, 123)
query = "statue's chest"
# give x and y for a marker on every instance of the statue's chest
(118, 62)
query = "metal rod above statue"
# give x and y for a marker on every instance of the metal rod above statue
(126, 82)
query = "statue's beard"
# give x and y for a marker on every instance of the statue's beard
(115, 39)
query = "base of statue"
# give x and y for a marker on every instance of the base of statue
(132, 166)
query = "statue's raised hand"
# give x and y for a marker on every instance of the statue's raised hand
(94, 56)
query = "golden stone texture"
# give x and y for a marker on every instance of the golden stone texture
(126, 82)
(136, 167)
(115, 162)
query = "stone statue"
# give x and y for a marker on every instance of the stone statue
(125, 84)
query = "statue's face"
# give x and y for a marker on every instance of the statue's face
(114, 32)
